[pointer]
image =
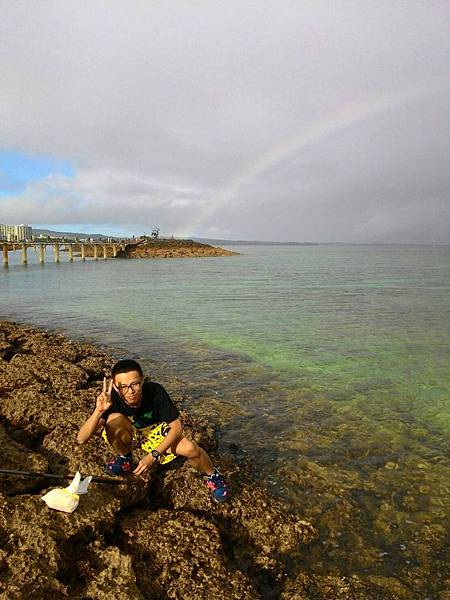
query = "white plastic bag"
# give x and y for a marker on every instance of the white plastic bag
(66, 499)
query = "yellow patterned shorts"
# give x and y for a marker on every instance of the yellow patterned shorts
(150, 438)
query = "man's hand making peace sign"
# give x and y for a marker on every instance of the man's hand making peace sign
(104, 398)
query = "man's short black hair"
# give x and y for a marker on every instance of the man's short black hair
(125, 366)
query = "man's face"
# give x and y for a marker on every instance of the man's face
(129, 386)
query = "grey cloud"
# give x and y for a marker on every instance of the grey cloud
(172, 111)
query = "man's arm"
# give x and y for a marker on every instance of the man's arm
(176, 429)
(88, 429)
(103, 402)
(174, 434)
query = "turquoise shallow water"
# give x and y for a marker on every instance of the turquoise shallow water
(326, 365)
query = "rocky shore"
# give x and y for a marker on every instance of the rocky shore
(149, 539)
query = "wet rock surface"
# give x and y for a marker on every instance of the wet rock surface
(159, 538)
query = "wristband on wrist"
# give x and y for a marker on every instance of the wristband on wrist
(156, 455)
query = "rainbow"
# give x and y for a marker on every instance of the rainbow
(330, 126)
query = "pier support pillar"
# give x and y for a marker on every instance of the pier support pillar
(56, 252)
(41, 253)
(24, 254)
(83, 251)
(105, 253)
(95, 252)
(70, 253)
(5, 255)
(114, 249)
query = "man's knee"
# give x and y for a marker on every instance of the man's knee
(116, 423)
(188, 448)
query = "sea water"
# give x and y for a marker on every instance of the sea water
(324, 366)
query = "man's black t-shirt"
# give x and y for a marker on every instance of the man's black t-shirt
(156, 406)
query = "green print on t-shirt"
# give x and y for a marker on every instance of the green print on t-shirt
(142, 420)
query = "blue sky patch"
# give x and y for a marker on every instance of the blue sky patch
(17, 170)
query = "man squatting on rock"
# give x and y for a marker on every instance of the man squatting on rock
(128, 402)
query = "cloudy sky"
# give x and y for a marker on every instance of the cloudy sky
(272, 120)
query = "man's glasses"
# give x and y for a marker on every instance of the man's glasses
(124, 389)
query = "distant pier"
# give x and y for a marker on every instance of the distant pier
(99, 249)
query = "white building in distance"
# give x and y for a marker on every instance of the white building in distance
(15, 233)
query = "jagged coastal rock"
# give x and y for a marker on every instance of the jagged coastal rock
(155, 539)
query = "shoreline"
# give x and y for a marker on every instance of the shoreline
(254, 542)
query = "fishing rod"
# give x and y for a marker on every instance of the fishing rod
(53, 476)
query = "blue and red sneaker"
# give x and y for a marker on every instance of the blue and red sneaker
(217, 486)
(121, 465)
